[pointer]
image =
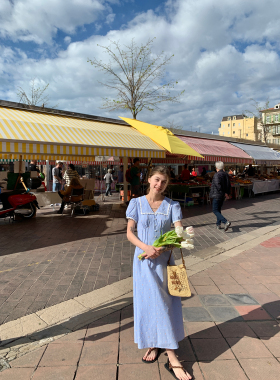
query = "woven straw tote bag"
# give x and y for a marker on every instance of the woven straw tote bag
(178, 284)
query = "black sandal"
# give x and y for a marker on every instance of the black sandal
(170, 367)
(149, 351)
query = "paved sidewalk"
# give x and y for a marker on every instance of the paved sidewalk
(54, 258)
(231, 323)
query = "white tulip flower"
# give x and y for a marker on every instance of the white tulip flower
(186, 245)
(179, 231)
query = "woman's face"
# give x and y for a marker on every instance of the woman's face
(158, 183)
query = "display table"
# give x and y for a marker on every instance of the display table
(265, 186)
(186, 190)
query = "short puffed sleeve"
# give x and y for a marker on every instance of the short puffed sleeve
(131, 212)
(176, 212)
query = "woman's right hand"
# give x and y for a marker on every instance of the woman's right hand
(151, 252)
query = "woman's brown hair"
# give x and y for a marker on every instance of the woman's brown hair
(159, 170)
(75, 182)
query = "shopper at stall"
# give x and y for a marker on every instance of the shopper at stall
(158, 321)
(65, 195)
(250, 170)
(57, 176)
(194, 173)
(171, 171)
(135, 178)
(185, 175)
(108, 180)
(203, 173)
(120, 174)
(220, 189)
(32, 167)
(69, 174)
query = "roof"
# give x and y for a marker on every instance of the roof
(261, 154)
(238, 117)
(214, 150)
(51, 135)
(54, 111)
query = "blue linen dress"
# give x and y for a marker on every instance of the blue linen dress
(158, 320)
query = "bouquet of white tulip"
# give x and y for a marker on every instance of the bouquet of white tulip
(178, 238)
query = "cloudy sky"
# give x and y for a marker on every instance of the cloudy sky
(225, 52)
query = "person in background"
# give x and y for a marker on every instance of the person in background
(185, 175)
(220, 189)
(57, 177)
(135, 178)
(108, 179)
(172, 174)
(194, 173)
(250, 170)
(32, 167)
(65, 195)
(203, 173)
(120, 174)
(69, 174)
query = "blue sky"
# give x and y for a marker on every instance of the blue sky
(225, 53)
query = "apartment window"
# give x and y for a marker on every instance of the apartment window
(234, 124)
(268, 141)
(268, 119)
(238, 124)
(228, 133)
(274, 141)
(233, 132)
(223, 133)
(228, 125)
(234, 117)
(228, 118)
(247, 134)
(276, 117)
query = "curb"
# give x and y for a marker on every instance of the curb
(28, 333)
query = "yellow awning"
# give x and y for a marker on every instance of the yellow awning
(43, 136)
(164, 137)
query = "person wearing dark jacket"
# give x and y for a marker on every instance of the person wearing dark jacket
(219, 190)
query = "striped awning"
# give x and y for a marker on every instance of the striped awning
(216, 150)
(38, 135)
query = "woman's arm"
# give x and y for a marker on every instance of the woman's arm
(149, 252)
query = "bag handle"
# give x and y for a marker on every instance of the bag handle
(168, 263)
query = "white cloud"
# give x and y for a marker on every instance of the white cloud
(67, 39)
(224, 54)
(39, 20)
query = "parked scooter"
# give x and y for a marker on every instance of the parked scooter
(18, 202)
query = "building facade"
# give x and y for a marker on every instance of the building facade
(271, 124)
(239, 126)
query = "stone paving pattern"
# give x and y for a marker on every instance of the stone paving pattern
(231, 324)
(53, 258)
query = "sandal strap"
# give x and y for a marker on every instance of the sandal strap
(151, 349)
(171, 366)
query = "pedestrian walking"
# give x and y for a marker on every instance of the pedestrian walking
(108, 180)
(220, 190)
(57, 176)
(158, 320)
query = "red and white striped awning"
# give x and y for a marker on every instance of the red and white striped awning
(216, 150)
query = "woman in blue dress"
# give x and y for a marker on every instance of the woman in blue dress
(158, 320)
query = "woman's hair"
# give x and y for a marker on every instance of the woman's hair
(158, 170)
(109, 171)
(75, 182)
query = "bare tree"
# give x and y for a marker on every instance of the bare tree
(265, 129)
(36, 96)
(137, 75)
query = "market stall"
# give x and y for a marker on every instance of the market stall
(45, 134)
(264, 157)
